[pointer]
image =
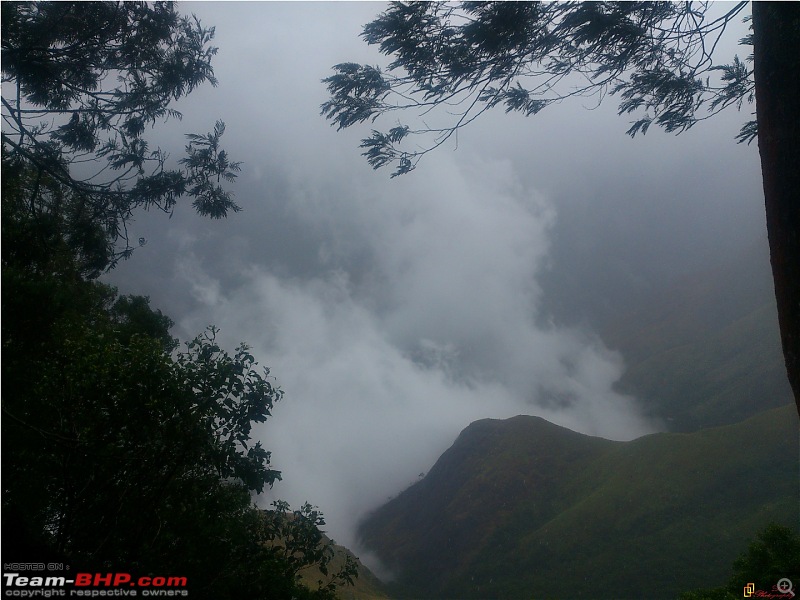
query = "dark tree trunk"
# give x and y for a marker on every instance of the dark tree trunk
(776, 49)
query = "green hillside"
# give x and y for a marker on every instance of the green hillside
(523, 508)
(705, 350)
(365, 587)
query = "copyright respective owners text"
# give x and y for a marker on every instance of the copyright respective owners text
(57, 580)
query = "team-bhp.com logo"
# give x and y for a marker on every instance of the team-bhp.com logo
(783, 589)
(93, 584)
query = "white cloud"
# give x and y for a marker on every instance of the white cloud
(381, 376)
(395, 312)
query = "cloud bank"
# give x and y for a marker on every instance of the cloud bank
(395, 312)
(421, 318)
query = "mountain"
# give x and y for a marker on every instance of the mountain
(705, 350)
(524, 508)
(701, 344)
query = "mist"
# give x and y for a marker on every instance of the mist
(395, 312)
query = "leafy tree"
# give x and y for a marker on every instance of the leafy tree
(772, 556)
(45, 224)
(118, 456)
(82, 82)
(120, 452)
(657, 57)
(299, 541)
(525, 56)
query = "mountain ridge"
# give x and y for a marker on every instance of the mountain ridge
(522, 506)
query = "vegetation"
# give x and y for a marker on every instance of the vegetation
(121, 452)
(657, 57)
(83, 82)
(522, 508)
(706, 350)
(774, 555)
(524, 57)
(365, 587)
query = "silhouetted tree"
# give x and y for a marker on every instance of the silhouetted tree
(82, 82)
(774, 555)
(119, 455)
(118, 451)
(657, 57)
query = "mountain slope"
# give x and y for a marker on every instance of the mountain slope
(365, 587)
(522, 508)
(705, 350)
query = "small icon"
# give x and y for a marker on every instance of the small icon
(749, 589)
(785, 586)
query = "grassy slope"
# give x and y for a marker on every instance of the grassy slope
(706, 350)
(437, 525)
(523, 508)
(365, 587)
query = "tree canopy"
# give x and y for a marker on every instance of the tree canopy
(772, 557)
(470, 57)
(120, 450)
(82, 84)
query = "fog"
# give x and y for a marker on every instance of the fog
(394, 312)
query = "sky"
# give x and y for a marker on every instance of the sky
(394, 312)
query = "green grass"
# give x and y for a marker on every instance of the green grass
(705, 350)
(721, 376)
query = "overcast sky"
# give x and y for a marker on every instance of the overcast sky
(395, 312)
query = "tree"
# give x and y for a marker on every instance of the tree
(117, 455)
(772, 556)
(657, 57)
(82, 82)
(119, 452)
(777, 60)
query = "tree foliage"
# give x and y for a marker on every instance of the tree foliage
(120, 451)
(117, 454)
(469, 57)
(298, 539)
(82, 83)
(773, 555)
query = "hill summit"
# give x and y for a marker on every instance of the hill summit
(525, 508)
